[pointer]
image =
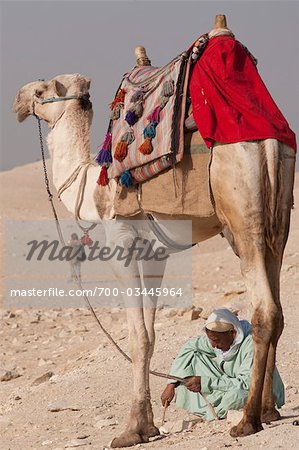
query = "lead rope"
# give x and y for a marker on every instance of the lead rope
(74, 273)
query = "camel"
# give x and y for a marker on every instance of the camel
(253, 200)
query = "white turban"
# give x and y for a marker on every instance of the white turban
(222, 320)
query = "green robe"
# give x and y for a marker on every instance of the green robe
(224, 383)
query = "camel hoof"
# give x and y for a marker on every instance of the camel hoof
(245, 428)
(128, 439)
(270, 416)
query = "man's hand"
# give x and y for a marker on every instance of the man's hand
(168, 394)
(193, 384)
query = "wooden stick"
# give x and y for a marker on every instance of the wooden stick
(164, 412)
(220, 21)
(183, 381)
(210, 406)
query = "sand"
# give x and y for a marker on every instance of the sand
(68, 386)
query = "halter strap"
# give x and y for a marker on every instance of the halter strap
(59, 99)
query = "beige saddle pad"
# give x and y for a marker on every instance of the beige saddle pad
(182, 190)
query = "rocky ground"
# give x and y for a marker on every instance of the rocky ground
(64, 386)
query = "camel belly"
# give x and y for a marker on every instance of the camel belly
(202, 228)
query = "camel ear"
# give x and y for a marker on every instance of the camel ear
(59, 88)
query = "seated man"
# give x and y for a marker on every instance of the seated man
(76, 256)
(218, 365)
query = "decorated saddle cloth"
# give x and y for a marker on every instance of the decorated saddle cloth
(148, 116)
(146, 131)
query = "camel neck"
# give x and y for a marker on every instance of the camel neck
(69, 142)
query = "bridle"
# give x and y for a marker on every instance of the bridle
(62, 99)
(84, 98)
(43, 101)
(75, 174)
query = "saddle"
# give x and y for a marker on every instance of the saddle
(153, 148)
(146, 131)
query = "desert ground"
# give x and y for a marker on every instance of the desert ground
(64, 386)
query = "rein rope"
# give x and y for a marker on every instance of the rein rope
(62, 241)
(79, 200)
(74, 273)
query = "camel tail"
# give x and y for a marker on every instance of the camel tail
(272, 194)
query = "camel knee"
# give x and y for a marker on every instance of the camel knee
(267, 324)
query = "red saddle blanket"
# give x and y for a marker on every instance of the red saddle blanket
(230, 101)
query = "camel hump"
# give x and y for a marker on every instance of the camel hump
(141, 56)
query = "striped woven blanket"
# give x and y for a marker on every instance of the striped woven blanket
(146, 132)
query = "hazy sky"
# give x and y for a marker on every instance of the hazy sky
(41, 39)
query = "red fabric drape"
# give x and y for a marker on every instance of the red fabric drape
(230, 101)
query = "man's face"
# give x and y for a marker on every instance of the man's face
(221, 340)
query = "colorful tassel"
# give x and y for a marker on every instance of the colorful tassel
(138, 95)
(86, 240)
(138, 109)
(128, 137)
(150, 130)
(115, 113)
(107, 141)
(104, 155)
(126, 178)
(154, 116)
(103, 177)
(131, 118)
(146, 148)
(120, 98)
(121, 151)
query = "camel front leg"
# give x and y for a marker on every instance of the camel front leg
(137, 426)
(122, 234)
(152, 275)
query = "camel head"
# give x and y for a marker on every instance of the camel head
(29, 99)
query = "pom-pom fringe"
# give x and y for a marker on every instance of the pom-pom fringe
(150, 130)
(120, 98)
(115, 113)
(126, 178)
(104, 157)
(131, 118)
(121, 151)
(103, 177)
(146, 148)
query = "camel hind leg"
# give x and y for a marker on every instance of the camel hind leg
(273, 263)
(239, 203)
